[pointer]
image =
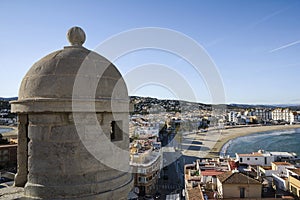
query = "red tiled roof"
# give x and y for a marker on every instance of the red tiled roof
(211, 173)
(255, 154)
(282, 163)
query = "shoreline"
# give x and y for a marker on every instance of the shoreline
(232, 133)
(13, 133)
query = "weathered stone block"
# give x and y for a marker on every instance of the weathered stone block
(52, 118)
(39, 133)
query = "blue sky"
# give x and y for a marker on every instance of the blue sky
(254, 44)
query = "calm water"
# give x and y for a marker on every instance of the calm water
(284, 140)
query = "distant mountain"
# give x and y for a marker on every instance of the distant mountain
(249, 106)
(8, 99)
(287, 105)
(143, 104)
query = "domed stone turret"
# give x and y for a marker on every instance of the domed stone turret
(54, 75)
(73, 126)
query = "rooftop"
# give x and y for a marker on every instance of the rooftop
(254, 154)
(297, 171)
(236, 178)
(195, 193)
(143, 153)
(282, 163)
(211, 172)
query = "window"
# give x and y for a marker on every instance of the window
(248, 158)
(265, 160)
(255, 158)
(293, 190)
(241, 159)
(116, 133)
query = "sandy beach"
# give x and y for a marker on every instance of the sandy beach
(209, 144)
(229, 134)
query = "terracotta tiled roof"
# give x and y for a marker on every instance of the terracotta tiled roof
(236, 178)
(255, 154)
(211, 172)
(282, 163)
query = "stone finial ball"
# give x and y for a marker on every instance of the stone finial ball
(76, 36)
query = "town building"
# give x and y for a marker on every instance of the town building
(281, 156)
(276, 174)
(294, 181)
(203, 172)
(281, 167)
(233, 117)
(192, 180)
(279, 175)
(265, 158)
(263, 114)
(256, 158)
(233, 184)
(146, 161)
(283, 115)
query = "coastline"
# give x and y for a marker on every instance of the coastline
(10, 134)
(232, 133)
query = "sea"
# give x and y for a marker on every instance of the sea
(4, 130)
(279, 140)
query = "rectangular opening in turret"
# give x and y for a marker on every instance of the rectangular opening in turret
(116, 133)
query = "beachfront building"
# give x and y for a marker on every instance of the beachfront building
(296, 116)
(265, 158)
(263, 114)
(260, 158)
(233, 184)
(283, 114)
(146, 160)
(233, 117)
(281, 156)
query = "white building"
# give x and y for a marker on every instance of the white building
(256, 158)
(283, 114)
(281, 167)
(233, 117)
(146, 160)
(264, 158)
(284, 156)
(147, 131)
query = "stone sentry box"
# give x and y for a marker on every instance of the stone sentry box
(73, 127)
